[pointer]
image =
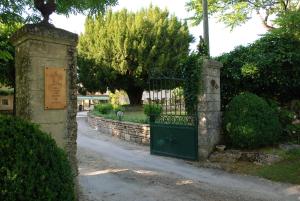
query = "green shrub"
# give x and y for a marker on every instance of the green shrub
(104, 108)
(118, 108)
(269, 68)
(295, 107)
(286, 117)
(250, 122)
(152, 110)
(293, 133)
(32, 167)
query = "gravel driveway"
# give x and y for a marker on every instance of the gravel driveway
(114, 170)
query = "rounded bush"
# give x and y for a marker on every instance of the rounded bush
(104, 108)
(32, 167)
(249, 122)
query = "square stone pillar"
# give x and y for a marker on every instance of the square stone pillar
(209, 109)
(38, 47)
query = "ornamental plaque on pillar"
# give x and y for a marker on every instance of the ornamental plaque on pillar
(55, 88)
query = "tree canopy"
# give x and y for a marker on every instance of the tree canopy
(270, 67)
(15, 13)
(25, 11)
(119, 50)
(236, 12)
(7, 54)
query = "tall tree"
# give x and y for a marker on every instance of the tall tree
(237, 12)
(118, 50)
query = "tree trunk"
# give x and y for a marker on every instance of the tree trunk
(135, 95)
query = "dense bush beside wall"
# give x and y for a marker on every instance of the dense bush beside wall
(287, 117)
(270, 67)
(104, 108)
(249, 122)
(153, 109)
(192, 74)
(32, 167)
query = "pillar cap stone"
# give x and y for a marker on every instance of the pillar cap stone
(210, 63)
(44, 32)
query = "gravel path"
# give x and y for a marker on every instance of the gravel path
(114, 170)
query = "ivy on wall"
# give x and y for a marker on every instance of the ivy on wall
(192, 74)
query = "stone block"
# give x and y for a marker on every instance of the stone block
(209, 106)
(127, 137)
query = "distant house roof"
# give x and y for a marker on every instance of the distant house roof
(100, 97)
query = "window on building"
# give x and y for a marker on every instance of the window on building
(4, 101)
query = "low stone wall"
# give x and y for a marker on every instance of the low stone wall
(133, 132)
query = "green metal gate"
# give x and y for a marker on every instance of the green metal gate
(175, 131)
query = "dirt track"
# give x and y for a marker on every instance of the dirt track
(114, 170)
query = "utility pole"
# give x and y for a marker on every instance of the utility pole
(205, 24)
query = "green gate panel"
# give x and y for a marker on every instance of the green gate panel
(180, 141)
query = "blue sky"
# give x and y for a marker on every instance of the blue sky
(221, 38)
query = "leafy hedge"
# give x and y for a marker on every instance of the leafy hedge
(249, 122)
(192, 71)
(32, 167)
(153, 109)
(270, 67)
(104, 108)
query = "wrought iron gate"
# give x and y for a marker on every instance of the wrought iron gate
(175, 131)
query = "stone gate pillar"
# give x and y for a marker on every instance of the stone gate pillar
(46, 93)
(209, 109)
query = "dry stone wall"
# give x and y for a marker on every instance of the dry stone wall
(133, 132)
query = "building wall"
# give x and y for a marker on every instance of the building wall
(10, 103)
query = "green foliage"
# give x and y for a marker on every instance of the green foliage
(120, 49)
(286, 117)
(24, 11)
(287, 170)
(7, 70)
(153, 110)
(6, 92)
(192, 70)
(292, 133)
(289, 24)
(249, 122)
(135, 116)
(295, 107)
(234, 13)
(269, 67)
(104, 108)
(32, 167)
(118, 108)
(116, 98)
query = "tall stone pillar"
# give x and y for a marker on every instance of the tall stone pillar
(45, 61)
(209, 109)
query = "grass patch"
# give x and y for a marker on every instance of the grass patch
(287, 170)
(135, 115)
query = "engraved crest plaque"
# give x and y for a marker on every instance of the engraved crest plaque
(55, 88)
